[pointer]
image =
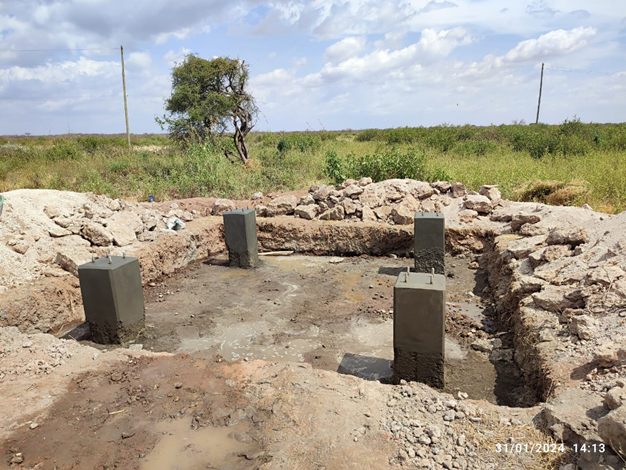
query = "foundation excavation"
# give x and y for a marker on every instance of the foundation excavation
(508, 328)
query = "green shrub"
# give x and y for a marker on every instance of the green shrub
(62, 149)
(369, 135)
(476, 148)
(298, 141)
(334, 168)
(391, 164)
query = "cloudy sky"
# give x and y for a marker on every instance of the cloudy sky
(345, 64)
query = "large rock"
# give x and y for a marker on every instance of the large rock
(442, 186)
(612, 429)
(72, 257)
(395, 189)
(336, 213)
(58, 232)
(383, 212)
(404, 213)
(524, 246)
(605, 275)
(282, 205)
(97, 234)
(222, 205)
(523, 218)
(420, 189)
(307, 200)
(349, 206)
(554, 299)
(584, 326)
(322, 193)
(615, 397)
(467, 215)
(429, 205)
(554, 252)
(373, 196)
(571, 416)
(353, 191)
(478, 203)
(365, 181)
(458, 190)
(611, 354)
(124, 226)
(492, 192)
(367, 214)
(567, 236)
(501, 215)
(307, 212)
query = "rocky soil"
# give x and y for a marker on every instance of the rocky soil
(555, 282)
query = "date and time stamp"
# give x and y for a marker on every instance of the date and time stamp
(548, 447)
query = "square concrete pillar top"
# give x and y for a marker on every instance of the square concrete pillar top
(419, 313)
(240, 230)
(429, 230)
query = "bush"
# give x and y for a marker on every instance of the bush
(297, 141)
(62, 149)
(369, 135)
(334, 168)
(390, 164)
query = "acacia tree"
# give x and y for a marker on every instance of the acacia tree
(210, 101)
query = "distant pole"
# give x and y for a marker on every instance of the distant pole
(125, 98)
(540, 87)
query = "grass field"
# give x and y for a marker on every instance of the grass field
(572, 163)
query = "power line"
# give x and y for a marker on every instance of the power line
(590, 72)
(59, 50)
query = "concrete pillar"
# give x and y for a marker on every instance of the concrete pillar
(113, 298)
(240, 233)
(429, 242)
(419, 328)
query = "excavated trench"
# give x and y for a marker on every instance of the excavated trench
(335, 312)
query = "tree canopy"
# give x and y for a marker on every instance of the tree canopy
(210, 100)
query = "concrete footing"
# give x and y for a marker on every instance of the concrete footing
(419, 328)
(241, 240)
(113, 299)
(429, 242)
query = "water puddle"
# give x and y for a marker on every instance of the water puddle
(182, 448)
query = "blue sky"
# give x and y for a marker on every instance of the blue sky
(350, 64)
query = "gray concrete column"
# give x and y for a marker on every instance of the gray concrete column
(113, 298)
(429, 242)
(240, 233)
(419, 328)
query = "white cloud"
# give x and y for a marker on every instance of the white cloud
(174, 58)
(540, 10)
(60, 72)
(551, 44)
(438, 5)
(139, 61)
(344, 49)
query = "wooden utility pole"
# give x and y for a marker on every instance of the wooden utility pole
(540, 87)
(125, 98)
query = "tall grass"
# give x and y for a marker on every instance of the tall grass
(585, 162)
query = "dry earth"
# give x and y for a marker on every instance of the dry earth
(550, 280)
